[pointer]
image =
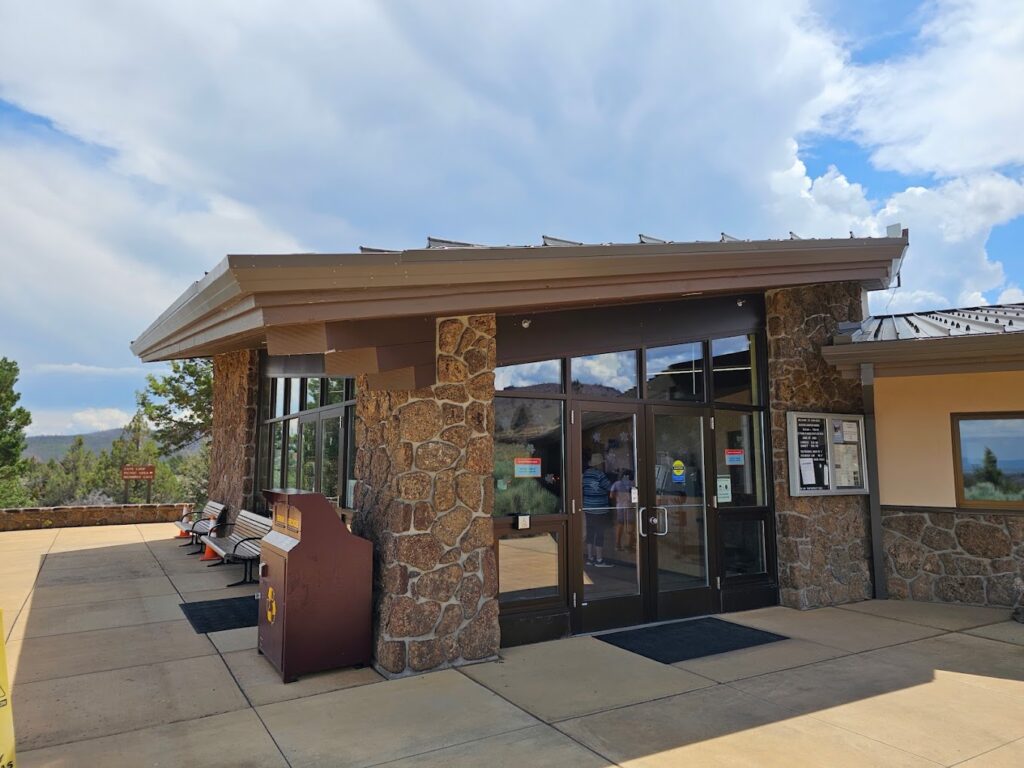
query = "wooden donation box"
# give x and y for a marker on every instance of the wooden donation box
(315, 588)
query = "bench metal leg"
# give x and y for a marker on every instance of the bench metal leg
(247, 577)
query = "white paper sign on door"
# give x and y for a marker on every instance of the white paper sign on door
(724, 489)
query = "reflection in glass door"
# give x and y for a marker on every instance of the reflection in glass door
(608, 532)
(680, 536)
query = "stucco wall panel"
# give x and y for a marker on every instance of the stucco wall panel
(915, 441)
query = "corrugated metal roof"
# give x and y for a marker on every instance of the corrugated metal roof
(440, 243)
(962, 321)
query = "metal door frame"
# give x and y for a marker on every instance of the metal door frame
(698, 601)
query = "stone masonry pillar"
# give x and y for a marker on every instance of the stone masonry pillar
(424, 498)
(824, 542)
(236, 378)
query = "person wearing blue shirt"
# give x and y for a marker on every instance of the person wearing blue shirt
(596, 500)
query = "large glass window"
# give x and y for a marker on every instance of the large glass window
(331, 434)
(676, 372)
(276, 452)
(734, 370)
(278, 386)
(542, 377)
(307, 462)
(350, 453)
(742, 546)
(312, 394)
(528, 564)
(313, 452)
(989, 449)
(335, 391)
(738, 465)
(609, 375)
(528, 440)
(292, 454)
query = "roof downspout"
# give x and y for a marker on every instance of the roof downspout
(867, 380)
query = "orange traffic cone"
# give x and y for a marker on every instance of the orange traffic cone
(183, 535)
(209, 554)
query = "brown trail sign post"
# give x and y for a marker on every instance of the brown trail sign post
(136, 472)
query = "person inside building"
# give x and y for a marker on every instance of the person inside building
(596, 500)
(622, 494)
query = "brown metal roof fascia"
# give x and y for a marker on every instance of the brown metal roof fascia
(772, 276)
(435, 281)
(245, 331)
(258, 274)
(940, 354)
(500, 299)
(214, 293)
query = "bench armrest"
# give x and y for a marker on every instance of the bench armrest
(219, 526)
(242, 541)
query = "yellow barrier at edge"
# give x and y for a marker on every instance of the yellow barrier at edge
(6, 709)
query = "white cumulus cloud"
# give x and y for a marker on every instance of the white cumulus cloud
(67, 422)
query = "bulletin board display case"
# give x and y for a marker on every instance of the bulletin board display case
(827, 454)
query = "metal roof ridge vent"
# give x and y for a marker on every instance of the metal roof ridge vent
(368, 249)
(558, 241)
(437, 242)
(652, 240)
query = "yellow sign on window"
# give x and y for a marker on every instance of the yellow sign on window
(6, 712)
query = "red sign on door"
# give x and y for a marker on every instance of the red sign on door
(524, 467)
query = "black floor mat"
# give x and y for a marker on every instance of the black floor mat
(683, 640)
(218, 615)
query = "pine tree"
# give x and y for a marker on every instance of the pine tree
(990, 471)
(13, 418)
(180, 405)
(13, 421)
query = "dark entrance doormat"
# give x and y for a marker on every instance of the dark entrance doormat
(684, 640)
(218, 615)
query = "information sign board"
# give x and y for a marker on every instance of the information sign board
(826, 454)
(138, 472)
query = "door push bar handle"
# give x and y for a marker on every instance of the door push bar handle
(655, 520)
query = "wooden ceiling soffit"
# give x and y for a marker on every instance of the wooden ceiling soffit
(297, 339)
(350, 335)
(412, 377)
(378, 360)
(357, 334)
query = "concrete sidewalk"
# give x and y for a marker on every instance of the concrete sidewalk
(106, 671)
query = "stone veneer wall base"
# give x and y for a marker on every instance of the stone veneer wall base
(824, 543)
(236, 378)
(954, 557)
(33, 518)
(424, 498)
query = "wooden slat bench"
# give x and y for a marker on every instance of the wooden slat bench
(199, 524)
(242, 542)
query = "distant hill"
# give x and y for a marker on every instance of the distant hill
(46, 447)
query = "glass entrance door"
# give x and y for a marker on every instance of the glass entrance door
(642, 517)
(609, 555)
(680, 559)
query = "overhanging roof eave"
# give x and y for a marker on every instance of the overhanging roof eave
(902, 357)
(192, 323)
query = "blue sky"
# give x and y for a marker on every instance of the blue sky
(141, 142)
